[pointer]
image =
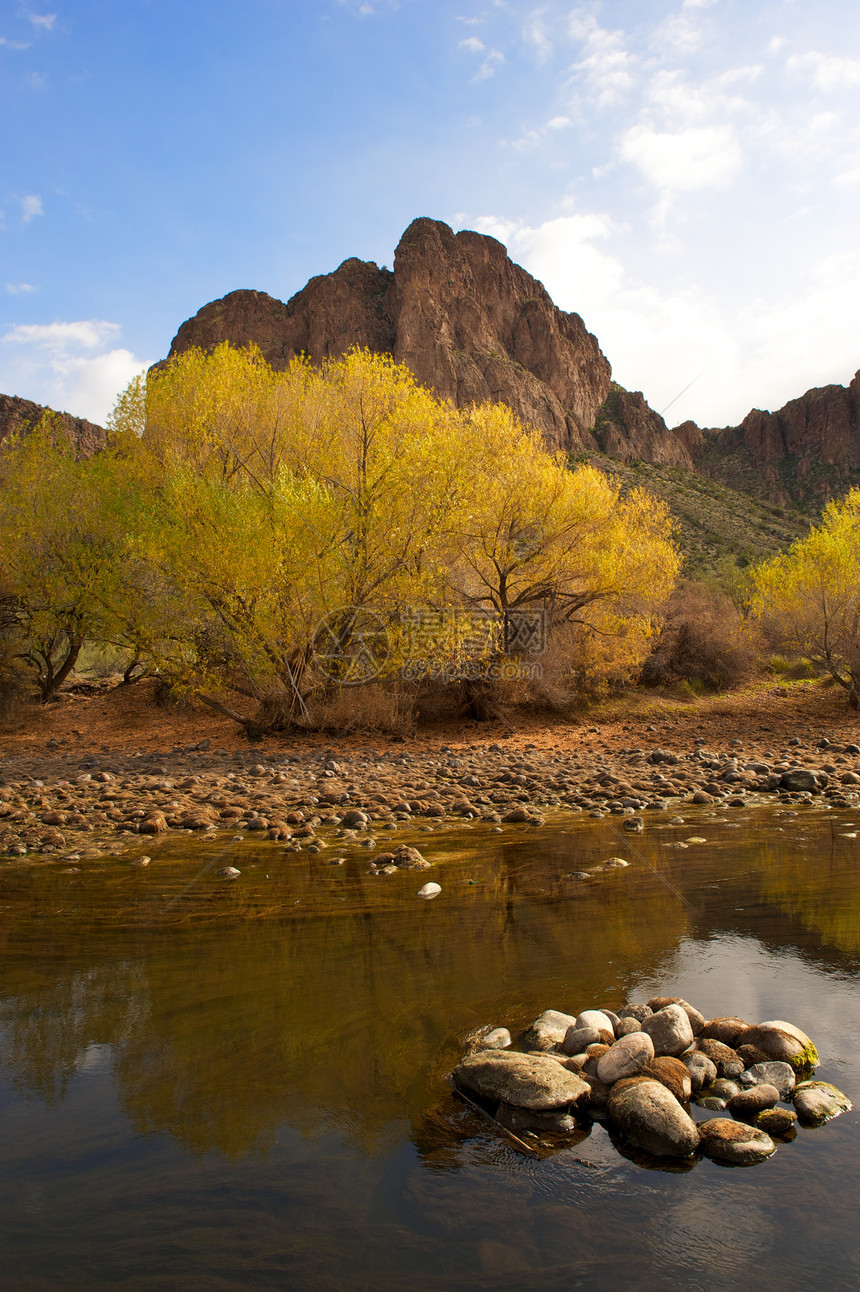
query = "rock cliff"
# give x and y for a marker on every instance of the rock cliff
(21, 415)
(628, 429)
(456, 310)
(805, 452)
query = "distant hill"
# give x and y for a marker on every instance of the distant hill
(22, 415)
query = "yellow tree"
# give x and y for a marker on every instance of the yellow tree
(62, 544)
(538, 535)
(808, 598)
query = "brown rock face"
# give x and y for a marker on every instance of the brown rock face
(627, 428)
(19, 416)
(456, 310)
(807, 451)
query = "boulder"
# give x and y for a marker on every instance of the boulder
(734, 1142)
(626, 1058)
(547, 1031)
(701, 1069)
(785, 1042)
(818, 1101)
(669, 1030)
(627, 1026)
(746, 1103)
(524, 1080)
(578, 1039)
(726, 1030)
(673, 1074)
(697, 1020)
(649, 1117)
(775, 1121)
(639, 1012)
(780, 1075)
(800, 779)
(595, 1018)
(725, 1059)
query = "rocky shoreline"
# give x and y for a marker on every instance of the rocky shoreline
(645, 1070)
(62, 802)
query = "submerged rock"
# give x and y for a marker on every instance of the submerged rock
(818, 1101)
(524, 1080)
(650, 1117)
(785, 1042)
(776, 1121)
(734, 1142)
(772, 1073)
(547, 1031)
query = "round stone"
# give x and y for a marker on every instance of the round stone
(735, 1143)
(626, 1058)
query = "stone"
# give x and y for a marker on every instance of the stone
(712, 1103)
(819, 1101)
(524, 1080)
(649, 1117)
(595, 1018)
(746, 1103)
(722, 1088)
(626, 1058)
(773, 1073)
(429, 890)
(489, 1038)
(229, 872)
(702, 1070)
(726, 1060)
(697, 1020)
(734, 1142)
(352, 820)
(799, 779)
(627, 1026)
(726, 1030)
(639, 1012)
(785, 1042)
(673, 1074)
(547, 1031)
(670, 1030)
(775, 1121)
(578, 1039)
(407, 858)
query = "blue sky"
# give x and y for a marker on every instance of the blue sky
(683, 173)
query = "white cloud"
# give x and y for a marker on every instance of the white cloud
(45, 20)
(535, 32)
(67, 365)
(827, 71)
(14, 44)
(606, 67)
(31, 206)
(19, 289)
(472, 44)
(659, 339)
(707, 157)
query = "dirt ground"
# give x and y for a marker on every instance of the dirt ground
(127, 718)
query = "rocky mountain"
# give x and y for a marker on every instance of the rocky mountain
(456, 310)
(804, 453)
(22, 415)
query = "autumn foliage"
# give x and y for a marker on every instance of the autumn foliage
(237, 509)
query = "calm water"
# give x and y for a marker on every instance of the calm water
(243, 1085)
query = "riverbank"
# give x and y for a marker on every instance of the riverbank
(98, 770)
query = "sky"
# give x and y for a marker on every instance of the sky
(685, 174)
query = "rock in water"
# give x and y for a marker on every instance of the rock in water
(670, 1030)
(430, 890)
(735, 1143)
(785, 1042)
(776, 1121)
(650, 1117)
(772, 1073)
(524, 1080)
(818, 1101)
(626, 1058)
(229, 872)
(547, 1031)
(746, 1103)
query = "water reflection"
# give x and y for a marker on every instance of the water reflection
(296, 1028)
